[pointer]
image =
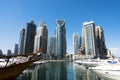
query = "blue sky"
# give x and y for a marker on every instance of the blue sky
(16, 13)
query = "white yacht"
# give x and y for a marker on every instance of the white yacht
(89, 62)
(109, 69)
(109, 75)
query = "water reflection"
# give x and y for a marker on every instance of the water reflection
(81, 73)
(58, 71)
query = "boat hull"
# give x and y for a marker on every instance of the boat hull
(106, 74)
(13, 71)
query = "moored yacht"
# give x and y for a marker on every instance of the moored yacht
(96, 62)
(109, 69)
(88, 62)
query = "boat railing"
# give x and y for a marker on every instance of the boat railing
(16, 59)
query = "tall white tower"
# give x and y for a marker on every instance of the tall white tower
(89, 39)
(75, 42)
(41, 38)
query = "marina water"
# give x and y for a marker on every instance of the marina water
(58, 71)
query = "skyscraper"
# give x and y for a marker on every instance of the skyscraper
(60, 38)
(16, 49)
(51, 46)
(1, 53)
(9, 52)
(79, 42)
(88, 39)
(75, 42)
(29, 38)
(100, 41)
(21, 41)
(41, 38)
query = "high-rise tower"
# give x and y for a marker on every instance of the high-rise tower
(1, 53)
(51, 46)
(79, 42)
(29, 38)
(9, 52)
(21, 41)
(75, 42)
(41, 38)
(16, 49)
(100, 40)
(60, 38)
(88, 46)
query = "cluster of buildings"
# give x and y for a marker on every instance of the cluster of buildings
(92, 42)
(9, 52)
(31, 41)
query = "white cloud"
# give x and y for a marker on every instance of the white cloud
(115, 51)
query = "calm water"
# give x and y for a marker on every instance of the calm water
(58, 71)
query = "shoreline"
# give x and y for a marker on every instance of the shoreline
(57, 60)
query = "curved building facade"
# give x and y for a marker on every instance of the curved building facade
(60, 38)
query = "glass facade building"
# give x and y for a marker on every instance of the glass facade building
(51, 46)
(21, 41)
(79, 42)
(100, 39)
(29, 38)
(60, 38)
(16, 49)
(89, 38)
(1, 53)
(75, 42)
(9, 52)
